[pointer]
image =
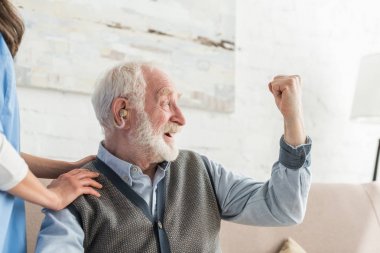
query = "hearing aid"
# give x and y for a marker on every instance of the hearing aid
(123, 113)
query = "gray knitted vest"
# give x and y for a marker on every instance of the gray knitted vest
(188, 218)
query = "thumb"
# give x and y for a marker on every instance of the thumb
(270, 87)
(275, 89)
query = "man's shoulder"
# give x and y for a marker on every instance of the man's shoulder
(191, 158)
(186, 153)
(190, 154)
(93, 165)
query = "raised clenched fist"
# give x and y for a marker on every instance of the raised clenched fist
(287, 94)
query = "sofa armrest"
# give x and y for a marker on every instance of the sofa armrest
(373, 193)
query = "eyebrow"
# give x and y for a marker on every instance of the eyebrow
(168, 91)
(164, 91)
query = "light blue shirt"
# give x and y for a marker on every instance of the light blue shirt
(134, 177)
(278, 202)
(12, 211)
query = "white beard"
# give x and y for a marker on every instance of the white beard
(153, 144)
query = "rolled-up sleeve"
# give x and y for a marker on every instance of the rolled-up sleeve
(278, 202)
(13, 168)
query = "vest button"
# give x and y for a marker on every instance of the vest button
(159, 224)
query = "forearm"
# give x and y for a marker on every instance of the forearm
(32, 190)
(46, 168)
(286, 195)
(12, 167)
(294, 131)
(60, 192)
(280, 201)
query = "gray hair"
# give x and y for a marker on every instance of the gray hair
(124, 80)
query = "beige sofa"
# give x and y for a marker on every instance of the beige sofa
(340, 218)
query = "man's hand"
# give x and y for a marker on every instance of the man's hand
(67, 187)
(287, 94)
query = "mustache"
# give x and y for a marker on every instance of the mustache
(171, 127)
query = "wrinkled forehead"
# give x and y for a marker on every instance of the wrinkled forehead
(159, 84)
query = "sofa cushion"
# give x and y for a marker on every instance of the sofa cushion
(290, 246)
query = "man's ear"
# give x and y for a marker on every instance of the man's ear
(120, 111)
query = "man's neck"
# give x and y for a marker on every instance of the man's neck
(132, 155)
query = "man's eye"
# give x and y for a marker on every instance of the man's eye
(165, 104)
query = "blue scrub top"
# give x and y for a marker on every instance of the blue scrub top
(12, 210)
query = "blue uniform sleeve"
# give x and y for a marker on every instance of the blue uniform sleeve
(60, 232)
(278, 202)
(3, 80)
(8, 98)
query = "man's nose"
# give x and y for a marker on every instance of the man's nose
(178, 117)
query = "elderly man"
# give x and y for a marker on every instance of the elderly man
(156, 198)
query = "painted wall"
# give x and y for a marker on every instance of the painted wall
(67, 49)
(320, 40)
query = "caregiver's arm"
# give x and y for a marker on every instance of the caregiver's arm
(16, 179)
(49, 168)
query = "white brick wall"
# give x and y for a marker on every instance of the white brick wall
(320, 40)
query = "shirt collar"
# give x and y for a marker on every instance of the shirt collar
(120, 167)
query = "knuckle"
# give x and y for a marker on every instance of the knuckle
(89, 190)
(292, 81)
(296, 78)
